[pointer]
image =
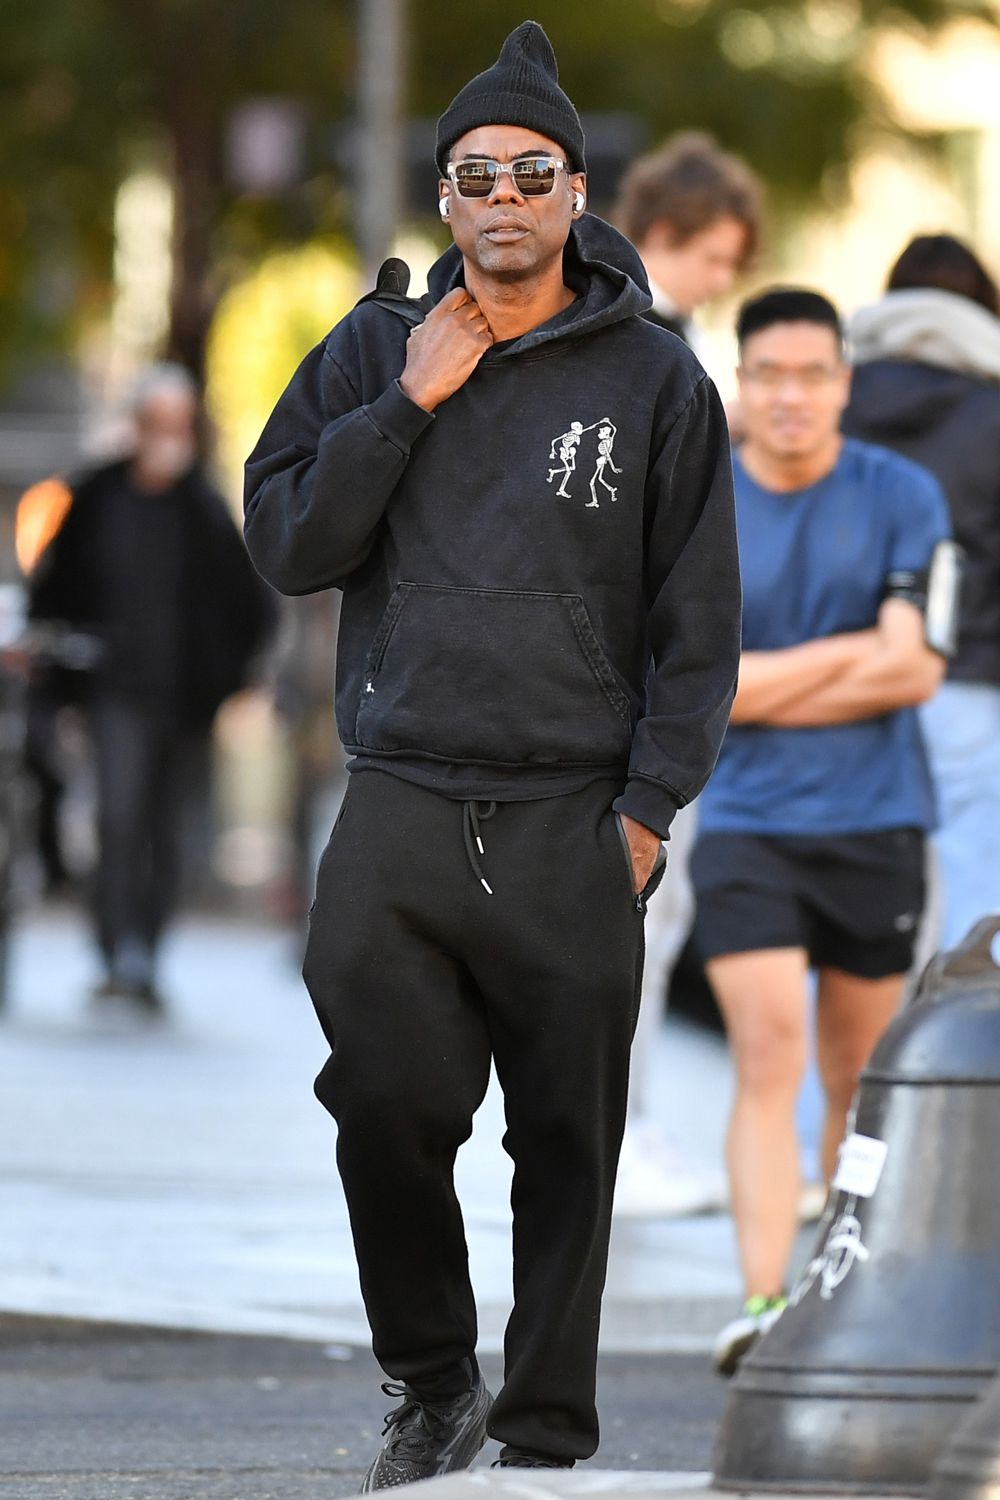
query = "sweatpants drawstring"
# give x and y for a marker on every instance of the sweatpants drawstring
(472, 814)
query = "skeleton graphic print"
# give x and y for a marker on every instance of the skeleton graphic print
(563, 453)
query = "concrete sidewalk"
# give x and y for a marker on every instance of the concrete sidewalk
(543, 1484)
(180, 1173)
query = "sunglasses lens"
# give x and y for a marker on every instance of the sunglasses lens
(475, 179)
(534, 175)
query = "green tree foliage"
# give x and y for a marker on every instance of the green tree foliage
(88, 84)
(777, 81)
(90, 87)
(60, 150)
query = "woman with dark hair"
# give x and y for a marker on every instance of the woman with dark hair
(940, 262)
(927, 384)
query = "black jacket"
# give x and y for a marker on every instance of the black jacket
(218, 613)
(674, 324)
(511, 563)
(950, 422)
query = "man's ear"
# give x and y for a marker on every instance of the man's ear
(578, 188)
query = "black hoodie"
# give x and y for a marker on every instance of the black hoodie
(949, 421)
(164, 584)
(513, 563)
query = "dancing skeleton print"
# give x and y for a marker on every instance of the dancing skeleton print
(565, 464)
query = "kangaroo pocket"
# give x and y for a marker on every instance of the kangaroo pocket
(503, 676)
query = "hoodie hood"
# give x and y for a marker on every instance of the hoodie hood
(927, 388)
(931, 328)
(600, 264)
(896, 398)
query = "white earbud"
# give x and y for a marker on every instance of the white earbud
(579, 202)
(443, 208)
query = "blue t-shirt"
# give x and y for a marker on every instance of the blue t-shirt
(814, 563)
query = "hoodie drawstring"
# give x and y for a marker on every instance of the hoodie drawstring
(473, 813)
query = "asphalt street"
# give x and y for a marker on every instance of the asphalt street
(93, 1411)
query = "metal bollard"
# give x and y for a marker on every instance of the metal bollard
(893, 1328)
(969, 1467)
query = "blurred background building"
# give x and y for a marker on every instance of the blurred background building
(215, 183)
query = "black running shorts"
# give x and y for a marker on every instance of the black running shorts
(853, 901)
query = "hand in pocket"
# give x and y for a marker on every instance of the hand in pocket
(644, 847)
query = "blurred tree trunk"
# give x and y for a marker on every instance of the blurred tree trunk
(194, 132)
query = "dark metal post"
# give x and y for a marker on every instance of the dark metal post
(381, 40)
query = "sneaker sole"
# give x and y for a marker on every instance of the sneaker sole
(728, 1358)
(469, 1438)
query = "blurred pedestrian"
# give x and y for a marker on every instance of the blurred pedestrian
(693, 212)
(927, 384)
(149, 563)
(810, 851)
(516, 764)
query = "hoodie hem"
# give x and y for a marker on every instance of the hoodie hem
(465, 784)
(520, 767)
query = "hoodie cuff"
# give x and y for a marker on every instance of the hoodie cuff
(648, 802)
(398, 418)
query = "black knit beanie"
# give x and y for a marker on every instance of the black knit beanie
(521, 88)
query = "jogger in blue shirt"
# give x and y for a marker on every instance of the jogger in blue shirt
(811, 836)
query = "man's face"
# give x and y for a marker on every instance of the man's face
(794, 386)
(507, 236)
(166, 436)
(695, 270)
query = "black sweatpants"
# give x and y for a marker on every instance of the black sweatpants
(144, 764)
(420, 976)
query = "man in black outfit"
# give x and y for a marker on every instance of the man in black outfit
(515, 762)
(149, 563)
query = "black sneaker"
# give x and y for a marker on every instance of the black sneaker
(426, 1438)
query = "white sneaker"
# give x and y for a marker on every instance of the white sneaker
(738, 1337)
(654, 1181)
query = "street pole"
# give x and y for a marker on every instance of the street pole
(379, 186)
